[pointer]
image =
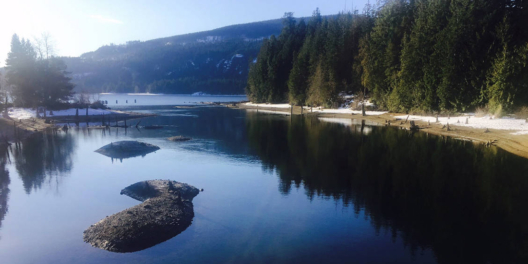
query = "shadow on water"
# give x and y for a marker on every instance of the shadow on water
(4, 181)
(465, 202)
(44, 157)
(222, 128)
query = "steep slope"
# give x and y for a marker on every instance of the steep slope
(215, 62)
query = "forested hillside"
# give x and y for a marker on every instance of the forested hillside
(406, 55)
(215, 62)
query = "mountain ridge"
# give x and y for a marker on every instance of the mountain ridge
(212, 61)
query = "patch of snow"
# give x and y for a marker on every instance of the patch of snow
(21, 113)
(269, 105)
(347, 111)
(210, 39)
(26, 113)
(367, 103)
(143, 94)
(520, 133)
(485, 122)
(269, 112)
(319, 109)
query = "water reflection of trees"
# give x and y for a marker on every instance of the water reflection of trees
(466, 203)
(44, 158)
(226, 127)
(4, 181)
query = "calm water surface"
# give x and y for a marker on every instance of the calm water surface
(277, 190)
(124, 101)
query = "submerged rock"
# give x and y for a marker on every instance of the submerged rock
(153, 127)
(179, 138)
(127, 149)
(166, 211)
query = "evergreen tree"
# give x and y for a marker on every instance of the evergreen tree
(36, 82)
(418, 55)
(21, 72)
(54, 86)
(508, 77)
(298, 79)
(380, 50)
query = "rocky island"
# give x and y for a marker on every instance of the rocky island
(127, 149)
(166, 211)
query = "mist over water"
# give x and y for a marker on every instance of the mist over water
(276, 190)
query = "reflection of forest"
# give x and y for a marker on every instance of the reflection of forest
(43, 158)
(226, 127)
(4, 181)
(466, 203)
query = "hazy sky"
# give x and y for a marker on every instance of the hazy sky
(81, 26)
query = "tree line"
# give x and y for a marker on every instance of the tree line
(35, 76)
(406, 55)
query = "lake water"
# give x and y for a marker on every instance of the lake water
(124, 101)
(277, 189)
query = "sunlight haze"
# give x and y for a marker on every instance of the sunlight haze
(82, 26)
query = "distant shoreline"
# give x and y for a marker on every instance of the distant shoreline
(202, 95)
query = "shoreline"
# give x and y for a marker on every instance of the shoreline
(13, 130)
(515, 144)
(114, 116)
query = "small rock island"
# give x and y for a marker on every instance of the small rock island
(127, 149)
(166, 211)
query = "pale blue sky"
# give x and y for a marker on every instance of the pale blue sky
(81, 26)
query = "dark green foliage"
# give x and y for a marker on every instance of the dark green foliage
(36, 82)
(418, 55)
(309, 63)
(507, 81)
(268, 77)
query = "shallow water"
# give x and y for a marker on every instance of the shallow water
(277, 189)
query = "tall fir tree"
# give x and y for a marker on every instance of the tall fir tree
(36, 82)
